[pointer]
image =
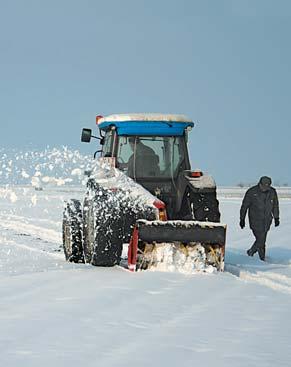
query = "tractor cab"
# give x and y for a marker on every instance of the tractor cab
(152, 149)
(126, 136)
(149, 148)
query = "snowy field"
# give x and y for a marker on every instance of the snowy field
(54, 313)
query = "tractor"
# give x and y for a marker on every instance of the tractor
(142, 193)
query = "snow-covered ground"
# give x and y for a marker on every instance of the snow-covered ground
(54, 313)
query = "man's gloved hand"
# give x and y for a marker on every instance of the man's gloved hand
(242, 223)
(277, 222)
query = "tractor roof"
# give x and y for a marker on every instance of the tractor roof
(144, 117)
(146, 124)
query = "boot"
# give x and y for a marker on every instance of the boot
(262, 253)
(249, 252)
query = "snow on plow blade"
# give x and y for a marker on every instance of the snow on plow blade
(183, 246)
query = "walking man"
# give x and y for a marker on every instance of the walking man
(261, 202)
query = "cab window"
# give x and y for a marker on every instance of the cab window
(150, 156)
(108, 144)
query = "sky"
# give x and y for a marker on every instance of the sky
(225, 64)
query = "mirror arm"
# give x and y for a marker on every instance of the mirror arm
(96, 137)
(100, 139)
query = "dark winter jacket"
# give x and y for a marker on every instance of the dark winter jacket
(143, 163)
(262, 207)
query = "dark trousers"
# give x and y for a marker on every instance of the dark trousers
(259, 244)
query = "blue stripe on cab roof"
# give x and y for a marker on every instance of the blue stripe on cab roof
(147, 128)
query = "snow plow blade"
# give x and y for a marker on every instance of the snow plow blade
(182, 246)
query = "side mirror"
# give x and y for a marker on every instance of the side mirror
(86, 135)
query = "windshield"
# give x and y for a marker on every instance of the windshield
(150, 156)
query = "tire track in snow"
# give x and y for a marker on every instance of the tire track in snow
(19, 227)
(5, 242)
(30, 237)
(28, 220)
(279, 277)
(278, 282)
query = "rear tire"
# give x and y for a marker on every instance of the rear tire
(108, 241)
(205, 207)
(109, 218)
(88, 229)
(72, 232)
